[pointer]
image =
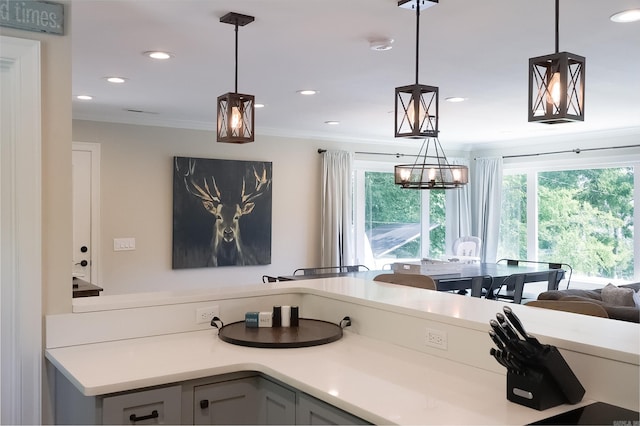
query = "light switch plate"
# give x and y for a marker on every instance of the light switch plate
(121, 244)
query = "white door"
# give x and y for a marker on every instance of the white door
(86, 218)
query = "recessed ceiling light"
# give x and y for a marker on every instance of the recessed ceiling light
(455, 99)
(84, 97)
(307, 92)
(381, 44)
(156, 54)
(631, 15)
(332, 122)
(258, 105)
(117, 80)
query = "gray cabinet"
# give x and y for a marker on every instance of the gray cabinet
(160, 405)
(312, 411)
(234, 398)
(147, 407)
(249, 400)
(228, 402)
(277, 403)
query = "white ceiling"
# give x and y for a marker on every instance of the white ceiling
(474, 49)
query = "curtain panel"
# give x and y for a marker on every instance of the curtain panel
(458, 208)
(486, 199)
(336, 224)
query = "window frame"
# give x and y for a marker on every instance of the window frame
(360, 168)
(523, 165)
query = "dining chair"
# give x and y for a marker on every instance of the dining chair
(475, 286)
(551, 265)
(575, 306)
(411, 280)
(467, 246)
(513, 286)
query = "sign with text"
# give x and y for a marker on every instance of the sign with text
(31, 15)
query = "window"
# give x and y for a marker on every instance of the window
(391, 225)
(583, 217)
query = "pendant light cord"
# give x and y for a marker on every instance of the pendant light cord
(418, 36)
(557, 26)
(236, 91)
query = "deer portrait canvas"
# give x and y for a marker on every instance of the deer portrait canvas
(221, 212)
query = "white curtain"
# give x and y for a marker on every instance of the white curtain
(336, 229)
(486, 199)
(458, 208)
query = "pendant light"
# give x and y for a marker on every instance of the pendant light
(236, 110)
(556, 85)
(417, 118)
(416, 104)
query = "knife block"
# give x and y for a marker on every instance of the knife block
(545, 382)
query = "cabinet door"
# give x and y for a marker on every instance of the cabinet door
(277, 404)
(312, 411)
(149, 407)
(232, 402)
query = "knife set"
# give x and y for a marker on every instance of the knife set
(537, 375)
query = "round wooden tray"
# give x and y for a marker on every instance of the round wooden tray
(309, 332)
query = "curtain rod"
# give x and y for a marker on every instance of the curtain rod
(576, 150)
(397, 154)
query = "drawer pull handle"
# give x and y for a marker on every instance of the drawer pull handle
(204, 403)
(154, 414)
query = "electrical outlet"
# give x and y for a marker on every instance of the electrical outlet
(436, 338)
(206, 314)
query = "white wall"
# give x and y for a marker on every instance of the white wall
(136, 201)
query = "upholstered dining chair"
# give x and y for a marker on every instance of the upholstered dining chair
(411, 280)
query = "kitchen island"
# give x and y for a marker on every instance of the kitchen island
(381, 371)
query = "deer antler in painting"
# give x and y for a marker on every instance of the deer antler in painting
(261, 186)
(209, 200)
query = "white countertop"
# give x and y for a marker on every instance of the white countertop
(379, 382)
(372, 378)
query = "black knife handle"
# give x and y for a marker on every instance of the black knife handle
(508, 329)
(517, 324)
(495, 339)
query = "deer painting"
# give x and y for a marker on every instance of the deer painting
(229, 202)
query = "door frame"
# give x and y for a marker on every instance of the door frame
(94, 260)
(21, 217)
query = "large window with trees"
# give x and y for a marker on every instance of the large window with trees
(395, 224)
(583, 217)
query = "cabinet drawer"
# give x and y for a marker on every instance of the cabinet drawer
(149, 407)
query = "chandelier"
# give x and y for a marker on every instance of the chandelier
(431, 171)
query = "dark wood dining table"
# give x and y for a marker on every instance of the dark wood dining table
(473, 276)
(490, 276)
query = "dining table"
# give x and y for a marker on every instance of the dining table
(477, 278)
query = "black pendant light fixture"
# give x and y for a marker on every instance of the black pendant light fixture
(236, 110)
(556, 85)
(416, 104)
(417, 118)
